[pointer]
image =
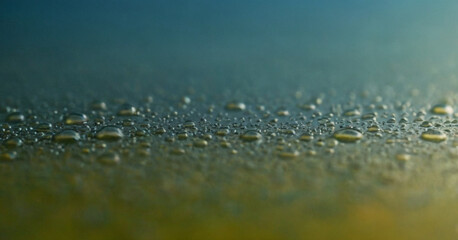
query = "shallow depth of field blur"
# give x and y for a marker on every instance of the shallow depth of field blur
(228, 119)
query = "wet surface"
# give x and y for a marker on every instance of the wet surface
(273, 122)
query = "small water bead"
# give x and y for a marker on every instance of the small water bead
(75, 119)
(182, 136)
(43, 127)
(426, 124)
(310, 152)
(100, 145)
(236, 106)
(442, 109)
(144, 152)
(419, 119)
(98, 105)
(391, 120)
(288, 154)
(148, 99)
(306, 137)
(8, 156)
(140, 133)
(283, 113)
(289, 132)
(109, 133)
(15, 117)
(128, 123)
(189, 124)
(320, 143)
(251, 136)
(352, 113)
(403, 120)
(307, 107)
(67, 136)
(13, 142)
(127, 110)
(433, 135)
(222, 132)
(109, 158)
(348, 135)
(330, 142)
(403, 157)
(185, 100)
(178, 151)
(225, 144)
(200, 143)
(160, 131)
(207, 136)
(373, 128)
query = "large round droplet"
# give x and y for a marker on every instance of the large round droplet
(433, 135)
(109, 133)
(348, 135)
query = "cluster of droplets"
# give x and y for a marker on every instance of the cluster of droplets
(107, 131)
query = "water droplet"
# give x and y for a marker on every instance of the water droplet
(98, 105)
(225, 144)
(403, 157)
(369, 116)
(433, 135)
(307, 107)
(182, 136)
(8, 156)
(75, 119)
(189, 124)
(283, 113)
(442, 109)
(288, 154)
(13, 142)
(15, 117)
(289, 131)
(178, 151)
(306, 137)
(352, 113)
(251, 136)
(127, 110)
(426, 124)
(348, 135)
(109, 133)
(160, 131)
(185, 100)
(109, 158)
(67, 136)
(373, 128)
(236, 106)
(200, 143)
(222, 132)
(44, 127)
